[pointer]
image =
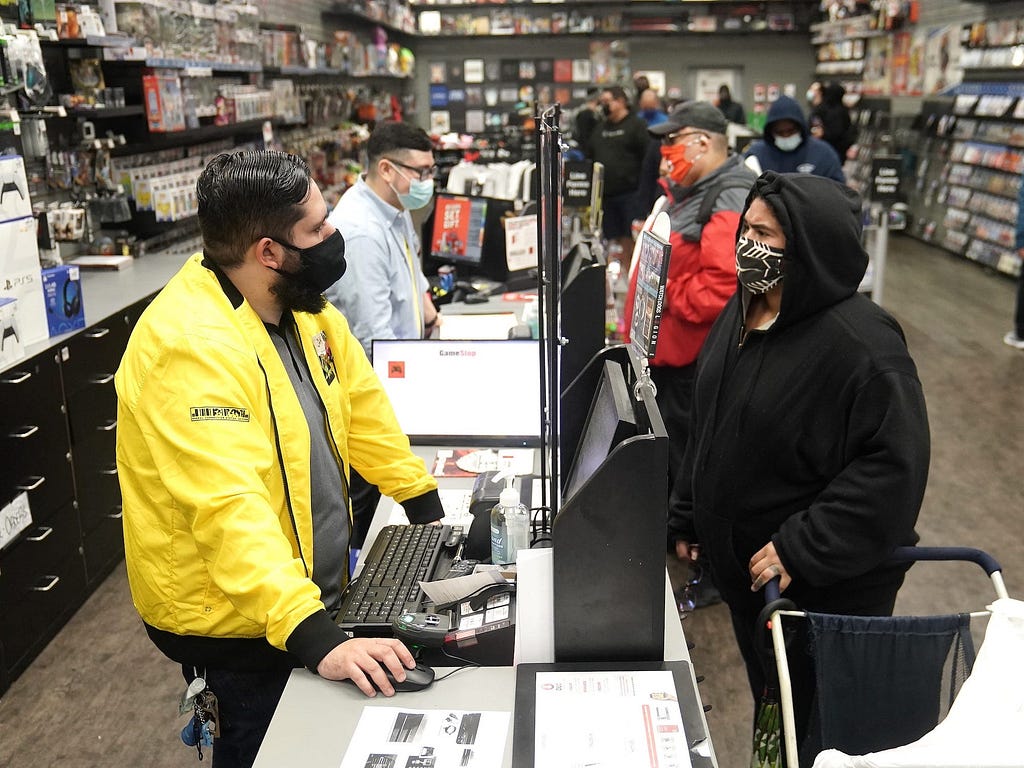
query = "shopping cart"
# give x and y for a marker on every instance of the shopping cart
(881, 682)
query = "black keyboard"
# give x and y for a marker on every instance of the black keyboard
(388, 584)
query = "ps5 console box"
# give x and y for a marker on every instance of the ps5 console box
(15, 202)
(62, 294)
(11, 348)
(20, 278)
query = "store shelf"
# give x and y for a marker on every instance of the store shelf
(107, 113)
(300, 71)
(92, 41)
(347, 12)
(195, 136)
(624, 6)
(632, 33)
(140, 57)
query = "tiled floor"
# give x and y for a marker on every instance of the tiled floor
(101, 695)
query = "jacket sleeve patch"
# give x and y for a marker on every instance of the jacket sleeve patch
(218, 413)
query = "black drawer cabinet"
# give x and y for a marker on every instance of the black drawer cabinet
(89, 362)
(58, 425)
(42, 581)
(33, 436)
(94, 354)
(103, 546)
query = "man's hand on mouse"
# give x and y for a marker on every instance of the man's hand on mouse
(362, 658)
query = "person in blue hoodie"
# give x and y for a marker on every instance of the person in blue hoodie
(788, 147)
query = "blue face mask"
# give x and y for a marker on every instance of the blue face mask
(419, 194)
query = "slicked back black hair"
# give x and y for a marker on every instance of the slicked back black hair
(244, 196)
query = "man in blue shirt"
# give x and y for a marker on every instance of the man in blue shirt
(384, 294)
(789, 147)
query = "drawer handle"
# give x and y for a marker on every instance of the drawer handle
(53, 583)
(101, 378)
(96, 333)
(116, 513)
(110, 426)
(44, 531)
(39, 480)
(26, 431)
(16, 377)
(109, 471)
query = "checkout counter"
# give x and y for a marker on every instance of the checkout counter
(319, 717)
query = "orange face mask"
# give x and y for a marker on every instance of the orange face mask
(675, 155)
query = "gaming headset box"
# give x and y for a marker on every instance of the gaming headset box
(62, 292)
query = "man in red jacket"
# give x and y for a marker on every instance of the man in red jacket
(707, 186)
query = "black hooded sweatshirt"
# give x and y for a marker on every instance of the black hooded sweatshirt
(813, 433)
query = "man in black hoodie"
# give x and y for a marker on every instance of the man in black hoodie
(809, 451)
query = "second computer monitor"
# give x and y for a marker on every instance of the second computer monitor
(468, 232)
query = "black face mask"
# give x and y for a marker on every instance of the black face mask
(758, 266)
(320, 267)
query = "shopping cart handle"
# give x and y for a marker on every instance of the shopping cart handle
(772, 591)
(968, 554)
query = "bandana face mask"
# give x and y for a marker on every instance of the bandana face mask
(758, 266)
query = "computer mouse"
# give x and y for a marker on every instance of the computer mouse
(416, 679)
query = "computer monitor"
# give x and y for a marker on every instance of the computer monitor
(457, 233)
(467, 232)
(583, 305)
(462, 392)
(610, 421)
(609, 534)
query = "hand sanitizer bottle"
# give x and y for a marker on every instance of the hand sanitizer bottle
(510, 521)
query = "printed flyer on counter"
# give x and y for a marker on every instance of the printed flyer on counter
(606, 719)
(393, 737)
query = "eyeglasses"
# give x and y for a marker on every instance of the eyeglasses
(670, 139)
(421, 173)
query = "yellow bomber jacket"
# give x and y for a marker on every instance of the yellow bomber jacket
(213, 461)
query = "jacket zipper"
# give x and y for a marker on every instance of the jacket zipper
(284, 473)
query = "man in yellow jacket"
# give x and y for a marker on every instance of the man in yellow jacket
(243, 402)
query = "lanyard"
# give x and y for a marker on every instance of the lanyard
(415, 284)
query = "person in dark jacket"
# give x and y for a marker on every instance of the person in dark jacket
(732, 110)
(788, 147)
(619, 143)
(830, 120)
(809, 452)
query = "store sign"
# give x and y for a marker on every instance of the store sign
(579, 177)
(885, 178)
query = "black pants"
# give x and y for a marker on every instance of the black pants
(365, 498)
(246, 701)
(675, 394)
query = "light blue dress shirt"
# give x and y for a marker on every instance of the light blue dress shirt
(381, 292)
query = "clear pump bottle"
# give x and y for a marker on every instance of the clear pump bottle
(510, 523)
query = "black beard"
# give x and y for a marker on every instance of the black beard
(296, 295)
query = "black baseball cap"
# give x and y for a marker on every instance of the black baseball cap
(702, 115)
